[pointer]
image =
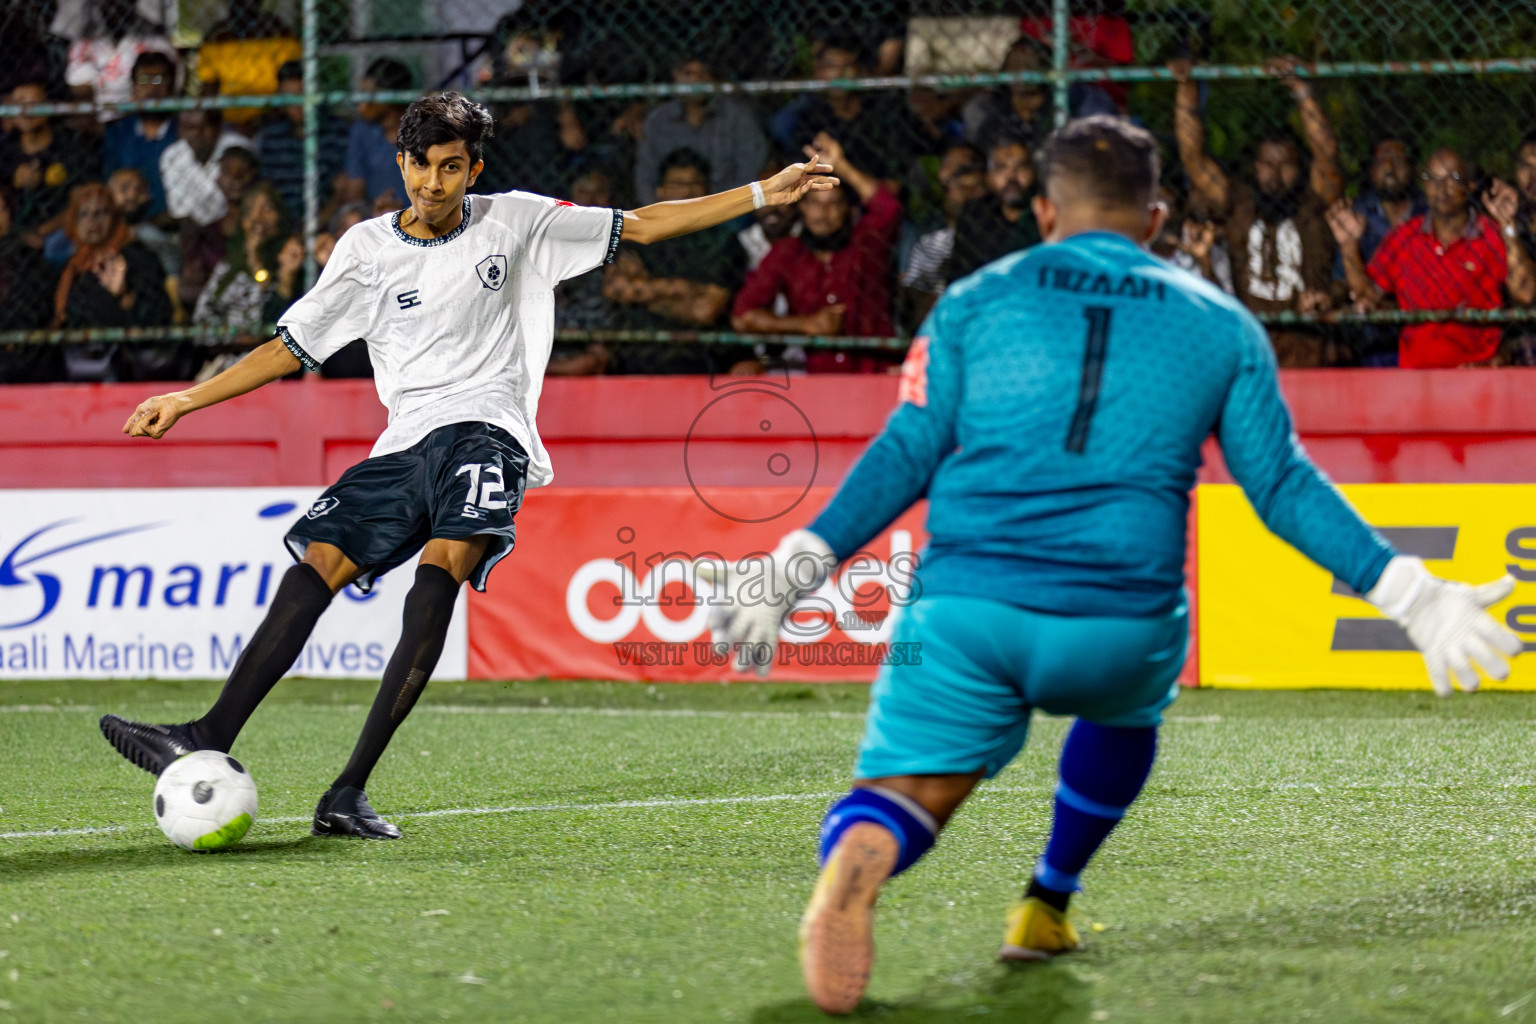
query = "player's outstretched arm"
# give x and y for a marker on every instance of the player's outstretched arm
(267, 363)
(683, 216)
(1448, 622)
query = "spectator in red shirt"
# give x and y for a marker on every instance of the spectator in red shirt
(836, 275)
(1451, 258)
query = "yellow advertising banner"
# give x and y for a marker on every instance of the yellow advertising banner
(1271, 619)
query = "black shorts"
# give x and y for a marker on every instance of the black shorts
(460, 481)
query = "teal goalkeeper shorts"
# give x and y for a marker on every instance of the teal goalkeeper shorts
(984, 666)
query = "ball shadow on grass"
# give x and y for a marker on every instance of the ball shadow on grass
(143, 856)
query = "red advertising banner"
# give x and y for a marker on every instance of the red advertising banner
(596, 587)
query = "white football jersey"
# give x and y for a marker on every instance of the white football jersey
(459, 327)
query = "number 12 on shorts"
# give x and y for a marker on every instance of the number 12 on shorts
(491, 493)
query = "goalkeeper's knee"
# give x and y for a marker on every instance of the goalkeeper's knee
(913, 827)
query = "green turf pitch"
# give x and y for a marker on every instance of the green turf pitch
(596, 852)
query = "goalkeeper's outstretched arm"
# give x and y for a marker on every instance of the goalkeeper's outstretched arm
(896, 468)
(264, 364)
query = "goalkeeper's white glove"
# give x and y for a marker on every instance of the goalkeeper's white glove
(759, 591)
(1448, 622)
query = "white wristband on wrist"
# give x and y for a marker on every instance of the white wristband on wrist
(758, 199)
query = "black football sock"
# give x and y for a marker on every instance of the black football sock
(1059, 900)
(275, 646)
(428, 610)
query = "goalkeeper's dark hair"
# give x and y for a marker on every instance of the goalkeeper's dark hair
(443, 119)
(1102, 159)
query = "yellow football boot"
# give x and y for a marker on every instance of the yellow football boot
(837, 941)
(1037, 931)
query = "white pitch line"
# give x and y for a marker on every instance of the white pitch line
(28, 709)
(447, 812)
(555, 709)
(49, 832)
(499, 709)
(722, 801)
(496, 709)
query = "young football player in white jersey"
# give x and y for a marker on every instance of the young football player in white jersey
(455, 298)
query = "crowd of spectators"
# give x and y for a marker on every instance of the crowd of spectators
(154, 219)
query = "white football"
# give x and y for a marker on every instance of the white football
(205, 801)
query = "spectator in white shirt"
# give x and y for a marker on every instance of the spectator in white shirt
(189, 168)
(112, 36)
(963, 177)
(769, 224)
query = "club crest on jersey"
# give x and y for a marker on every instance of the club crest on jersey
(321, 507)
(493, 272)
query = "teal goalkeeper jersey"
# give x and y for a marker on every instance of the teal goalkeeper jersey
(1052, 411)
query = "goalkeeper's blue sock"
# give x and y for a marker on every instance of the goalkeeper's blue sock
(1102, 771)
(913, 827)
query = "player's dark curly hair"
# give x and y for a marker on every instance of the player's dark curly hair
(441, 119)
(1105, 159)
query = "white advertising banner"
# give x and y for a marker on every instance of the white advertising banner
(170, 583)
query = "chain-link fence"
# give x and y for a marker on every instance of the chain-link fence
(172, 174)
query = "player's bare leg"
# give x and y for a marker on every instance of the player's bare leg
(445, 565)
(837, 946)
(302, 597)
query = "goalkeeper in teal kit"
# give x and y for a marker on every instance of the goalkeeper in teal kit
(1052, 412)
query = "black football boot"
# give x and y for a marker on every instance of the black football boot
(151, 747)
(346, 812)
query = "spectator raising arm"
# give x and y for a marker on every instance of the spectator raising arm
(834, 275)
(1205, 175)
(1348, 227)
(1502, 201)
(1451, 259)
(1503, 204)
(1327, 180)
(831, 151)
